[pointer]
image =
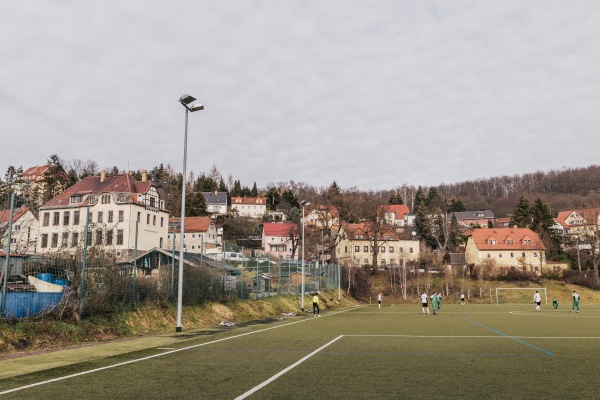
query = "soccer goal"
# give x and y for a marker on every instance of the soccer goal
(518, 295)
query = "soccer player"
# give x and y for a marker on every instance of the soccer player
(537, 299)
(316, 305)
(575, 301)
(439, 301)
(424, 302)
(462, 299)
(379, 299)
(433, 301)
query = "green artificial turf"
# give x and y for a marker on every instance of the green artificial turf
(471, 352)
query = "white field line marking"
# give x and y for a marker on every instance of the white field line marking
(477, 336)
(277, 375)
(563, 314)
(165, 348)
(160, 355)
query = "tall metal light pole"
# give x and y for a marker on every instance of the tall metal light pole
(190, 105)
(304, 203)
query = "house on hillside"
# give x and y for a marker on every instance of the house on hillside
(322, 217)
(573, 224)
(119, 206)
(201, 235)
(356, 247)
(280, 238)
(38, 183)
(394, 214)
(254, 207)
(24, 232)
(472, 218)
(506, 247)
(216, 203)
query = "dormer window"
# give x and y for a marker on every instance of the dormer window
(92, 199)
(76, 198)
(121, 197)
(105, 199)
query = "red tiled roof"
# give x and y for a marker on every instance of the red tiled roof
(399, 209)
(124, 183)
(282, 229)
(248, 200)
(363, 230)
(192, 224)
(17, 213)
(483, 236)
(35, 174)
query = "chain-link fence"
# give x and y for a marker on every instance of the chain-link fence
(90, 280)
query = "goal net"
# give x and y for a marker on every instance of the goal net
(519, 295)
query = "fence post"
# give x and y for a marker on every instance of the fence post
(137, 223)
(6, 270)
(85, 245)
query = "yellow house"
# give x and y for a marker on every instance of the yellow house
(506, 247)
(356, 247)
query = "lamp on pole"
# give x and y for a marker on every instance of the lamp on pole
(190, 105)
(304, 203)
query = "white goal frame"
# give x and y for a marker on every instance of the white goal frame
(513, 288)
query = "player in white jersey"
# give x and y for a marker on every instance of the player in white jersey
(424, 301)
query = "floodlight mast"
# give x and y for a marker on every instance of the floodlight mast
(304, 203)
(190, 106)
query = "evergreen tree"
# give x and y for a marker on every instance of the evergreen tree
(273, 198)
(237, 189)
(395, 199)
(195, 204)
(434, 200)
(254, 191)
(522, 215)
(456, 206)
(423, 226)
(454, 237)
(419, 198)
(290, 198)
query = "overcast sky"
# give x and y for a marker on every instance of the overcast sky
(371, 94)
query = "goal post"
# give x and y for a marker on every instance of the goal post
(539, 289)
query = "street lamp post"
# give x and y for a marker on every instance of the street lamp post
(304, 203)
(190, 105)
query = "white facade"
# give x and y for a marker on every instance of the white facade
(24, 231)
(113, 220)
(254, 207)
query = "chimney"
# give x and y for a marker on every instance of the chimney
(102, 175)
(144, 175)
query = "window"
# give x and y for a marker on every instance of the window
(489, 255)
(154, 220)
(345, 249)
(535, 254)
(523, 254)
(54, 242)
(371, 248)
(410, 250)
(105, 198)
(16, 228)
(110, 216)
(100, 217)
(65, 240)
(92, 199)
(391, 249)
(76, 217)
(109, 238)
(512, 255)
(139, 216)
(99, 237)
(121, 198)
(66, 217)
(500, 255)
(356, 249)
(119, 236)
(366, 261)
(160, 243)
(89, 238)
(78, 198)
(162, 221)
(147, 219)
(121, 216)
(56, 218)
(44, 240)
(74, 239)
(382, 249)
(366, 249)
(46, 219)
(401, 249)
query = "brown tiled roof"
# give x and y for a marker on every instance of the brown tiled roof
(35, 174)
(192, 224)
(248, 201)
(124, 183)
(17, 213)
(364, 229)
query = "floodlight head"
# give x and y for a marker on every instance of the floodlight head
(304, 203)
(196, 107)
(186, 99)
